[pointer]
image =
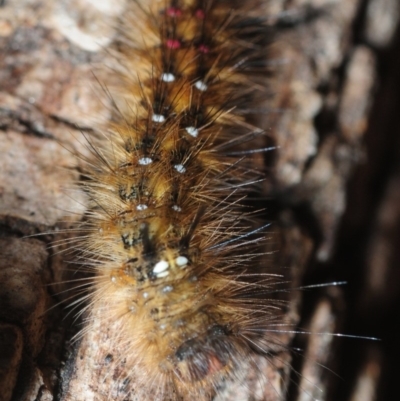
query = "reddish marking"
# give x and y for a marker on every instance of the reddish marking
(200, 14)
(214, 365)
(204, 49)
(173, 44)
(174, 12)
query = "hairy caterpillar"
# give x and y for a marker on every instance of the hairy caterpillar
(109, 357)
(178, 288)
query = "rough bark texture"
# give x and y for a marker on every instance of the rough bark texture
(334, 183)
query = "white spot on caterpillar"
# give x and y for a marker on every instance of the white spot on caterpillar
(193, 131)
(163, 326)
(158, 118)
(113, 279)
(180, 168)
(167, 77)
(144, 161)
(141, 207)
(177, 208)
(163, 274)
(145, 295)
(160, 267)
(167, 288)
(181, 261)
(201, 86)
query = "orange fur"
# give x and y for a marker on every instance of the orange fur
(177, 290)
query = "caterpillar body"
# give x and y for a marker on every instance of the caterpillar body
(178, 302)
